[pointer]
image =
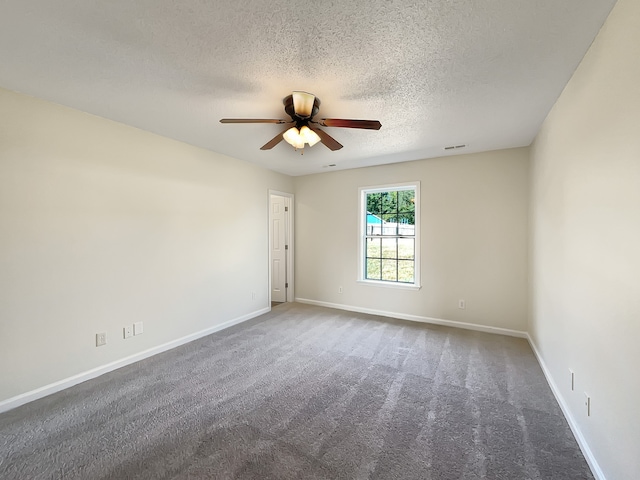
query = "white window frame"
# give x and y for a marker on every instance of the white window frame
(362, 235)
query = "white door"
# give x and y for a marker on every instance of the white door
(279, 248)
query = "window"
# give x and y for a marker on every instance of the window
(389, 231)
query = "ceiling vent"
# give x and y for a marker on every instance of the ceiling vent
(454, 147)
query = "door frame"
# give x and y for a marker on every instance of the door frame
(288, 238)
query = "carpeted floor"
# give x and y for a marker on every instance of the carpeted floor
(305, 392)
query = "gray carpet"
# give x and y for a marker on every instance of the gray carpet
(305, 392)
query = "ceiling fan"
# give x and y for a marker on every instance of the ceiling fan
(302, 107)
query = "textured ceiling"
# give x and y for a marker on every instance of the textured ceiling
(434, 72)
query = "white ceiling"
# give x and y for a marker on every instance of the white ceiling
(434, 72)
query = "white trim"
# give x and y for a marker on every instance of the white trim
(27, 397)
(362, 225)
(381, 283)
(391, 186)
(289, 239)
(577, 433)
(418, 318)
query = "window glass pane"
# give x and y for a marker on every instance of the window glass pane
(390, 270)
(389, 248)
(406, 248)
(405, 228)
(373, 247)
(391, 218)
(373, 203)
(374, 224)
(406, 201)
(408, 219)
(389, 224)
(389, 202)
(373, 269)
(405, 271)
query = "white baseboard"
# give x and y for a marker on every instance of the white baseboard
(577, 433)
(27, 397)
(418, 318)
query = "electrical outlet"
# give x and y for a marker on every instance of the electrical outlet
(137, 328)
(253, 295)
(462, 304)
(127, 331)
(587, 403)
(101, 339)
(573, 379)
(339, 289)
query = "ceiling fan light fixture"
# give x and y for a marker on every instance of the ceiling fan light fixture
(297, 138)
(303, 104)
(293, 138)
(309, 136)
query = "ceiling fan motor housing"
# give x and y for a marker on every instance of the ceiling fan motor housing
(290, 110)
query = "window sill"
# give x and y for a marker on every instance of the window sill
(401, 286)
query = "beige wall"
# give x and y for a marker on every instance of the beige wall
(102, 225)
(585, 256)
(474, 214)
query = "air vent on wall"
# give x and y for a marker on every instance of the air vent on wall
(454, 147)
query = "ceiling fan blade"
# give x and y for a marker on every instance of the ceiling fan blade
(253, 120)
(274, 141)
(341, 122)
(330, 142)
